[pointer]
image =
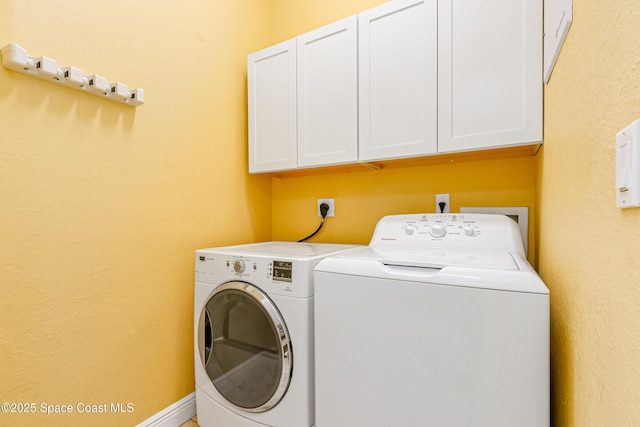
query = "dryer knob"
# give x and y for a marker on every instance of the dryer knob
(438, 230)
(239, 266)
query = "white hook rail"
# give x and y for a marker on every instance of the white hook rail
(15, 58)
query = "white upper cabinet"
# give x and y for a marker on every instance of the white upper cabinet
(489, 74)
(404, 79)
(328, 94)
(271, 84)
(397, 56)
(303, 100)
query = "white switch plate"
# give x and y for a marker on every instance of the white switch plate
(628, 166)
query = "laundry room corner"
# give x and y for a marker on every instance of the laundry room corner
(363, 195)
(589, 249)
(102, 204)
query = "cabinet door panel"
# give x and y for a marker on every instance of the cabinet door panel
(271, 81)
(490, 73)
(327, 94)
(398, 80)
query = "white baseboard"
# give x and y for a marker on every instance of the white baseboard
(173, 415)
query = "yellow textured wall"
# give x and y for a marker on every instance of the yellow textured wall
(363, 197)
(589, 250)
(103, 205)
(294, 17)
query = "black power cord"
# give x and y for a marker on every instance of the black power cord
(324, 209)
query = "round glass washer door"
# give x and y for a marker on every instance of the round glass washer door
(245, 346)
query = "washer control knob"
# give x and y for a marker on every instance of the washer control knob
(438, 230)
(239, 266)
(468, 231)
(409, 230)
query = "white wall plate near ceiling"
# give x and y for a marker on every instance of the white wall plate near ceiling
(558, 15)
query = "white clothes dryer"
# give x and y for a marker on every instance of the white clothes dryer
(440, 321)
(253, 333)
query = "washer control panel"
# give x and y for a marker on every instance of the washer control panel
(472, 231)
(441, 226)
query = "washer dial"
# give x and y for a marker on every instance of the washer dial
(438, 230)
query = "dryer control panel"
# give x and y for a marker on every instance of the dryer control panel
(278, 268)
(280, 276)
(463, 231)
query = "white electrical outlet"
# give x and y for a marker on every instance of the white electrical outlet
(331, 204)
(442, 198)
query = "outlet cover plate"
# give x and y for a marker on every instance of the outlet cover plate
(331, 203)
(445, 199)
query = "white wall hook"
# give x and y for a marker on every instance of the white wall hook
(120, 91)
(137, 97)
(47, 66)
(73, 77)
(15, 58)
(98, 85)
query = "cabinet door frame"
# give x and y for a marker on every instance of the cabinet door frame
(327, 92)
(401, 122)
(272, 108)
(511, 119)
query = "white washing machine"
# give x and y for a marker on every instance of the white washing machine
(253, 333)
(440, 321)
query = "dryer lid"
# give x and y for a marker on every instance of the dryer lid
(293, 250)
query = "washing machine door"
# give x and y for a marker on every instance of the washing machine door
(245, 346)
